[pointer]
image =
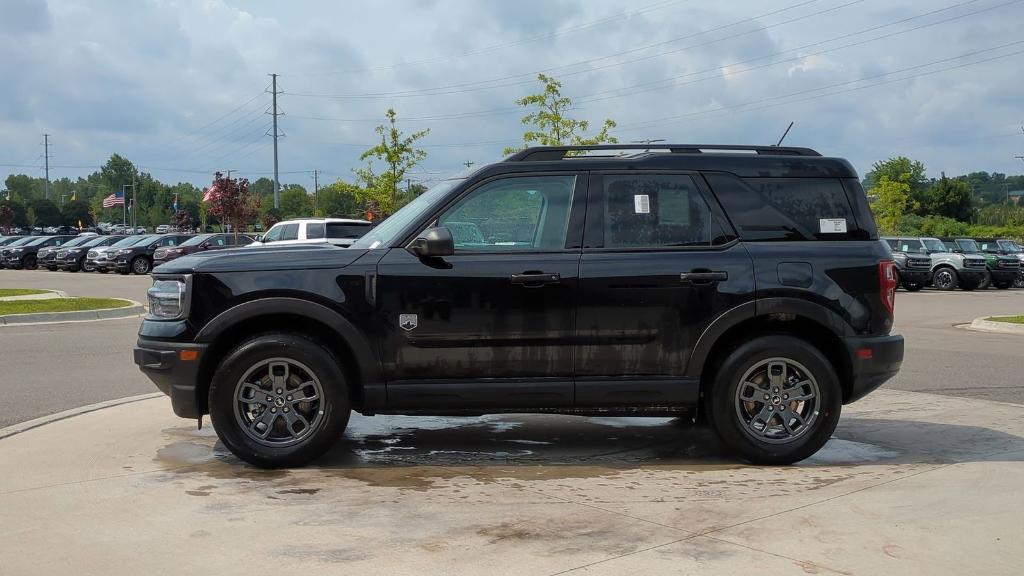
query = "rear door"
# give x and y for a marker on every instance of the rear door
(659, 264)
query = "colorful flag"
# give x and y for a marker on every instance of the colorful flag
(113, 200)
(210, 194)
(174, 204)
(73, 194)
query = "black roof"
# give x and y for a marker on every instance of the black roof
(745, 161)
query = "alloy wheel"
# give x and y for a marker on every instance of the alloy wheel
(777, 401)
(943, 279)
(279, 402)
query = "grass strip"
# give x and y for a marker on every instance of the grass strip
(60, 305)
(1009, 319)
(5, 292)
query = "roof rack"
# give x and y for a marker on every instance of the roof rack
(560, 152)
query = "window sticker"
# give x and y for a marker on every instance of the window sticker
(832, 225)
(642, 204)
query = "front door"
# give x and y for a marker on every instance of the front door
(492, 325)
(659, 264)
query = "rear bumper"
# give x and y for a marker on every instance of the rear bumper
(874, 361)
(162, 363)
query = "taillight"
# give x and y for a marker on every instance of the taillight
(887, 282)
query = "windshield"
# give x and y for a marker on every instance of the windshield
(196, 240)
(934, 245)
(1010, 246)
(968, 245)
(22, 242)
(78, 241)
(126, 241)
(36, 241)
(97, 241)
(146, 239)
(387, 231)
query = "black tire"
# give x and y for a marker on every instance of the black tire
(1003, 285)
(725, 405)
(51, 268)
(985, 282)
(227, 416)
(1019, 282)
(140, 265)
(29, 263)
(945, 279)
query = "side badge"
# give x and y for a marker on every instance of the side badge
(408, 321)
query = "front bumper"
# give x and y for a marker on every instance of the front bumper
(873, 361)
(971, 274)
(162, 362)
(915, 275)
(1007, 275)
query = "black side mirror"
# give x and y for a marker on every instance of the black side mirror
(433, 243)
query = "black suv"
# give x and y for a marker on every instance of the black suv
(743, 284)
(24, 256)
(138, 258)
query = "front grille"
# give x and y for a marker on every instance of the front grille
(1009, 264)
(919, 263)
(974, 263)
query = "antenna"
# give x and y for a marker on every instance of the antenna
(784, 134)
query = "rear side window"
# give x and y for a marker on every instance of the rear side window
(314, 230)
(347, 231)
(654, 211)
(765, 209)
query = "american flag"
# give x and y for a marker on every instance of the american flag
(210, 194)
(113, 200)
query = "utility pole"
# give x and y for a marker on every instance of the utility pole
(316, 190)
(275, 113)
(468, 164)
(46, 155)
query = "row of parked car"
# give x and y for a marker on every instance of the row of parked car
(951, 263)
(139, 253)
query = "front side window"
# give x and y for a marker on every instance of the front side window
(655, 211)
(527, 213)
(935, 245)
(290, 232)
(911, 245)
(274, 234)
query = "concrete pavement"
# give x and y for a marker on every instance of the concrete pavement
(911, 484)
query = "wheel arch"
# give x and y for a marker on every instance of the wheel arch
(277, 314)
(810, 322)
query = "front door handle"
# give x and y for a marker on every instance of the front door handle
(535, 279)
(703, 277)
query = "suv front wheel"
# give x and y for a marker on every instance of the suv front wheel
(279, 400)
(945, 279)
(775, 400)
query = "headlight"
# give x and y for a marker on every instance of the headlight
(169, 298)
(17, 249)
(122, 252)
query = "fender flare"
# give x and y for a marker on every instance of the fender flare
(367, 363)
(757, 309)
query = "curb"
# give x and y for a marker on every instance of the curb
(47, 295)
(136, 309)
(983, 325)
(44, 420)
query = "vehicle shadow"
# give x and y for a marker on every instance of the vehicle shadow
(410, 451)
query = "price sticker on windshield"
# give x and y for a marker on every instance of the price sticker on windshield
(642, 204)
(832, 225)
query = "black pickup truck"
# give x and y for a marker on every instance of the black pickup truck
(745, 286)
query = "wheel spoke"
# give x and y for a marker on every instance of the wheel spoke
(267, 418)
(777, 374)
(279, 373)
(788, 415)
(799, 392)
(253, 394)
(302, 393)
(291, 418)
(756, 392)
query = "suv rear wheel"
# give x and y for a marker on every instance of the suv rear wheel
(776, 400)
(279, 400)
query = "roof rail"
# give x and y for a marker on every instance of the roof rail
(560, 152)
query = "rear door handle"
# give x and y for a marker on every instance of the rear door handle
(702, 277)
(535, 279)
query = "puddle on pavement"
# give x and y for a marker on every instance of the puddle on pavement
(424, 453)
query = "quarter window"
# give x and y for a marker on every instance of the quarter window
(314, 230)
(513, 214)
(655, 211)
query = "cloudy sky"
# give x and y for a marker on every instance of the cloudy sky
(181, 86)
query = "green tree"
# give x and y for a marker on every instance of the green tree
(46, 213)
(6, 218)
(338, 199)
(24, 188)
(904, 170)
(77, 211)
(399, 153)
(30, 216)
(295, 202)
(951, 198)
(18, 211)
(550, 125)
(892, 203)
(270, 217)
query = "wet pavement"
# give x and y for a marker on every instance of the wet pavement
(908, 482)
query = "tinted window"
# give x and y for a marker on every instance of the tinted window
(171, 241)
(655, 210)
(274, 234)
(786, 208)
(314, 230)
(911, 245)
(289, 232)
(522, 213)
(347, 231)
(196, 240)
(218, 241)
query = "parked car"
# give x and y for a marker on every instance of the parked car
(138, 258)
(73, 258)
(337, 231)
(1000, 271)
(5, 240)
(99, 259)
(949, 269)
(163, 229)
(141, 230)
(1011, 258)
(913, 267)
(200, 243)
(752, 285)
(6, 250)
(47, 257)
(24, 256)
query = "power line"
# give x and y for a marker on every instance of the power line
(529, 77)
(495, 47)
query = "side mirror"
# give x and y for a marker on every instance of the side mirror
(433, 243)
